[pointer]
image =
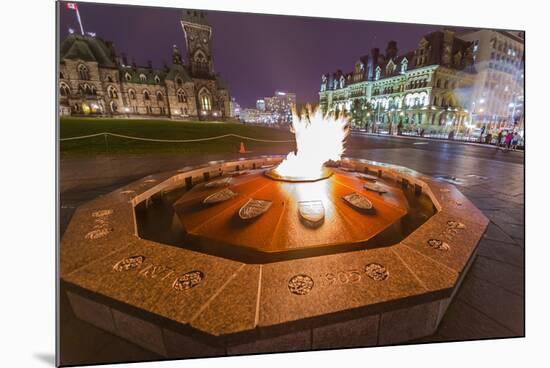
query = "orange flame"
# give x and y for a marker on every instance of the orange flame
(318, 139)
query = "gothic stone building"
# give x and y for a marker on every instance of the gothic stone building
(430, 85)
(94, 81)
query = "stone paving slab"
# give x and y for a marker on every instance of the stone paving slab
(503, 252)
(500, 274)
(503, 306)
(462, 322)
(495, 233)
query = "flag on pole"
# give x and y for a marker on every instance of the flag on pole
(73, 6)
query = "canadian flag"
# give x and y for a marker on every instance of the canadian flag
(72, 6)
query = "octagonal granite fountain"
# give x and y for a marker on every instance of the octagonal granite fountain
(272, 254)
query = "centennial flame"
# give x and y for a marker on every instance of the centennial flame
(318, 139)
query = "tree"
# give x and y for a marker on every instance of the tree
(359, 113)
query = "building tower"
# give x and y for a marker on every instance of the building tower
(198, 35)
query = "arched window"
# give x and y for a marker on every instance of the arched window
(157, 79)
(205, 100)
(114, 107)
(378, 71)
(127, 76)
(181, 96)
(404, 65)
(179, 82)
(142, 77)
(61, 75)
(85, 89)
(132, 94)
(199, 57)
(112, 92)
(83, 72)
(146, 95)
(160, 97)
(64, 90)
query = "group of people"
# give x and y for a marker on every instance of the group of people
(508, 140)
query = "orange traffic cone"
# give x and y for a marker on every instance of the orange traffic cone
(242, 149)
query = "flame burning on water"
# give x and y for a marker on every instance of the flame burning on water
(318, 139)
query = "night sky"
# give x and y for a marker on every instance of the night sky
(256, 54)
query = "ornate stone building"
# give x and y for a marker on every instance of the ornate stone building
(430, 85)
(95, 81)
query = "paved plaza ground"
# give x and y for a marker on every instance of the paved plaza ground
(490, 301)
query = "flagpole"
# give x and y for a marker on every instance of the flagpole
(79, 21)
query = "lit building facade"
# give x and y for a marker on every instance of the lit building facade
(95, 81)
(260, 105)
(431, 85)
(498, 95)
(257, 116)
(280, 106)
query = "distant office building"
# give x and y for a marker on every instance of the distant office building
(235, 108)
(250, 115)
(498, 95)
(257, 116)
(260, 105)
(280, 106)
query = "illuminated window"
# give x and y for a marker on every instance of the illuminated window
(205, 103)
(127, 76)
(157, 79)
(205, 100)
(142, 77)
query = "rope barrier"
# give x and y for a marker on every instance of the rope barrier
(175, 140)
(82, 137)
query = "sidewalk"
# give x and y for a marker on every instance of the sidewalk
(412, 137)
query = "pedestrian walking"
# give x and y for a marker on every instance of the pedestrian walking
(508, 141)
(499, 139)
(515, 141)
